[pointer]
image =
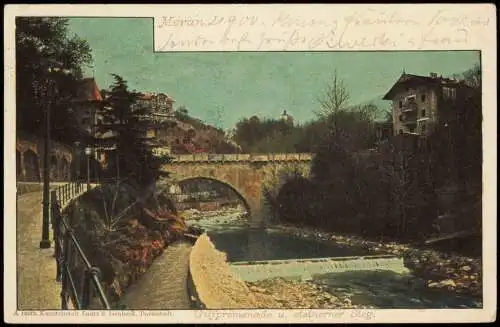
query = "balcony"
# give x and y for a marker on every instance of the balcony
(409, 104)
(408, 117)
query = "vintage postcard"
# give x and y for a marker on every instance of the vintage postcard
(250, 163)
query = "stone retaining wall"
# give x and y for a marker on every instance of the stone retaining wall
(212, 282)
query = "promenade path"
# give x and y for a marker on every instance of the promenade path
(37, 288)
(164, 285)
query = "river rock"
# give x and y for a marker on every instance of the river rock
(432, 284)
(447, 283)
(466, 268)
(257, 289)
(450, 270)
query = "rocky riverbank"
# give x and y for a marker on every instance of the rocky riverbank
(194, 215)
(437, 270)
(291, 294)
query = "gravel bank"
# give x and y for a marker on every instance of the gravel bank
(290, 294)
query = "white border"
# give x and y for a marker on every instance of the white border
(480, 37)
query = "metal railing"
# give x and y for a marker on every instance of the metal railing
(81, 282)
(65, 193)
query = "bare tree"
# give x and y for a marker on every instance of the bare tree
(471, 77)
(368, 111)
(334, 101)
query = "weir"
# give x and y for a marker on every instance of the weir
(305, 269)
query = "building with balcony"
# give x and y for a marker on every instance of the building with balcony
(156, 107)
(422, 103)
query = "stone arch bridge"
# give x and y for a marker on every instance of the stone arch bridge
(247, 174)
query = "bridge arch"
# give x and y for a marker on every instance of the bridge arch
(250, 175)
(239, 193)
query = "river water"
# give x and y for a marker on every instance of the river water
(380, 289)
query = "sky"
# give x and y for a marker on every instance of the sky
(223, 87)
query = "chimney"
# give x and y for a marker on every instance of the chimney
(433, 75)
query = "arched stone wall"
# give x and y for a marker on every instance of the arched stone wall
(19, 164)
(53, 172)
(65, 169)
(31, 166)
(29, 159)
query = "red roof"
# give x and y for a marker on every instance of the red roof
(88, 90)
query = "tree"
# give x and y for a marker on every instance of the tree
(41, 41)
(334, 101)
(181, 113)
(388, 115)
(466, 136)
(472, 76)
(134, 157)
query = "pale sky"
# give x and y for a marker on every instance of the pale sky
(242, 84)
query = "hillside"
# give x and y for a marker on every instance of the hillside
(192, 135)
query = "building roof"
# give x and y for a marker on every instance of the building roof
(88, 90)
(433, 79)
(151, 95)
(145, 96)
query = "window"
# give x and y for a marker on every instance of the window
(401, 118)
(422, 98)
(422, 128)
(423, 112)
(400, 104)
(449, 93)
(400, 132)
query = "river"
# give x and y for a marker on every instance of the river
(381, 289)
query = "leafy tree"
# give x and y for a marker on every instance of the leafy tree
(266, 135)
(43, 42)
(181, 113)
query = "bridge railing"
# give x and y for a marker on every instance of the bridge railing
(80, 279)
(254, 157)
